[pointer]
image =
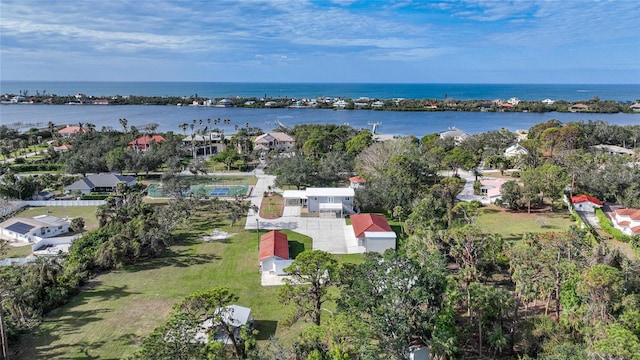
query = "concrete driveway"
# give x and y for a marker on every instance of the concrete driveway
(327, 234)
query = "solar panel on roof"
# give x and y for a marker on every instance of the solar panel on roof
(20, 228)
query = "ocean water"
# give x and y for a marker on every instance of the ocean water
(569, 92)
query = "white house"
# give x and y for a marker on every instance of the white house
(373, 232)
(235, 316)
(328, 201)
(585, 203)
(613, 150)
(548, 101)
(635, 107)
(340, 104)
(356, 182)
(224, 103)
(274, 253)
(455, 133)
(626, 220)
(515, 150)
(514, 101)
(33, 229)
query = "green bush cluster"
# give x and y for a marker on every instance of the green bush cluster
(36, 167)
(605, 224)
(93, 196)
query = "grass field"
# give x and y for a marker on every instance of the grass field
(512, 225)
(117, 310)
(88, 213)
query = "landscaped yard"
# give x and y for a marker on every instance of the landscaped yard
(88, 213)
(272, 206)
(118, 309)
(512, 225)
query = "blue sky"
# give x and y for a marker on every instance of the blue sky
(402, 41)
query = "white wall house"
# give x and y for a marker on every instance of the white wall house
(274, 253)
(585, 203)
(31, 230)
(330, 200)
(373, 232)
(626, 220)
(515, 150)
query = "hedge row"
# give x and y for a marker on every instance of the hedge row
(36, 167)
(95, 196)
(605, 224)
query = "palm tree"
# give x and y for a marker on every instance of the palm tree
(183, 127)
(123, 122)
(52, 129)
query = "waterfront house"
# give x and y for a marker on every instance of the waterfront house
(209, 144)
(144, 143)
(101, 102)
(548, 101)
(578, 107)
(455, 133)
(585, 203)
(626, 220)
(33, 229)
(514, 101)
(100, 183)
(377, 104)
(635, 107)
(224, 103)
(273, 141)
(373, 232)
(340, 104)
(71, 130)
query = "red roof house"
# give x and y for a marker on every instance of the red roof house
(369, 222)
(356, 182)
(627, 220)
(585, 203)
(373, 232)
(144, 143)
(71, 129)
(274, 252)
(274, 243)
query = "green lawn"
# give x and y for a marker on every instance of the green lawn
(512, 225)
(16, 251)
(88, 213)
(118, 309)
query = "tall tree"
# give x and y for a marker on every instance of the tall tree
(312, 273)
(399, 299)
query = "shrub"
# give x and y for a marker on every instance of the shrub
(605, 224)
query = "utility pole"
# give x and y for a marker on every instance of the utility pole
(3, 333)
(258, 232)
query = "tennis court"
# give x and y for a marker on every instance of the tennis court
(157, 190)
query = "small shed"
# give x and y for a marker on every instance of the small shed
(585, 203)
(274, 252)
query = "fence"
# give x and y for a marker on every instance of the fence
(64, 202)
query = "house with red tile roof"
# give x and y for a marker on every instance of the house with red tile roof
(274, 253)
(356, 182)
(578, 107)
(71, 130)
(373, 232)
(626, 220)
(144, 143)
(585, 203)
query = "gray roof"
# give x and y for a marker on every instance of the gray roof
(100, 180)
